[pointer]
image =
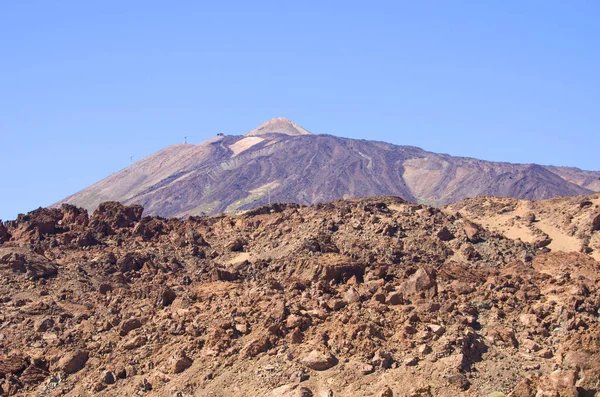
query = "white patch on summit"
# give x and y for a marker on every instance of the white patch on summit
(244, 144)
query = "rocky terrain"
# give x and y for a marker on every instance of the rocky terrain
(287, 163)
(566, 224)
(365, 297)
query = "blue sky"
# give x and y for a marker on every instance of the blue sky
(87, 84)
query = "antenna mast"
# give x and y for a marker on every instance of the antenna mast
(130, 159)
(185, 139)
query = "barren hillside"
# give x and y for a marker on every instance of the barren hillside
(567, 224)
(287, 163)
(369, 297)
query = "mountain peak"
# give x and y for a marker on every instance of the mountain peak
(279, 125)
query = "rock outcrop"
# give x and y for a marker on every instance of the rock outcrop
(360, 297)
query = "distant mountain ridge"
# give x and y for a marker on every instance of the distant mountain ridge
(283, 161)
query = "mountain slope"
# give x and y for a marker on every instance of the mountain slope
(284, 162)
(568, 224)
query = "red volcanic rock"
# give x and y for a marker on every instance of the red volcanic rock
(116, 215)
(367, 290)
(22, 260)
(4, 236)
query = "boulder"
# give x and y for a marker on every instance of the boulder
(459, 380)
(411, 361)
(420, 285)
(129, 325)
(528, 320)
(73, 362)
(336, 304)
(237, 245)
(382, 359)
(166, 297)
(4, 236)
(33, 375)
(105, 288)
(23, 260)
(319, 360)
(116, 215)
(108, 377)
(386, 392)
(44, 324)
(462, 288)
(73, 215)
(130, 262)
(295, 321)
(223, 275)
(395, 298)
(529, 345)
(529, 217)
(424, 349)
(342, 271)
(542, 242)
(437, 329)
(86, 240)
(135, 342)
(326, 393)
(256, 346)
(472, 231)
(559, 382)
(453, 362)
(351, 296)
(596, 221)
(444, 234)
(525, 388)
(179, 362)
(12, 365)
(33, 225)
(149, 228)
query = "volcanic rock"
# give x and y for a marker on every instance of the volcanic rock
(44, 325)
(108, 377)
(73, 361)
(116, 215)
(33, 375)
(167, 296)
(596, 222)
(179, 362)
(23, 260)
(386, 392)
(444, 234)
(286, 311)
(319, 360)
(129, 325)
(472, 231)
(420, 285)
(4, 236)
(135, 342)
(12, 365)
